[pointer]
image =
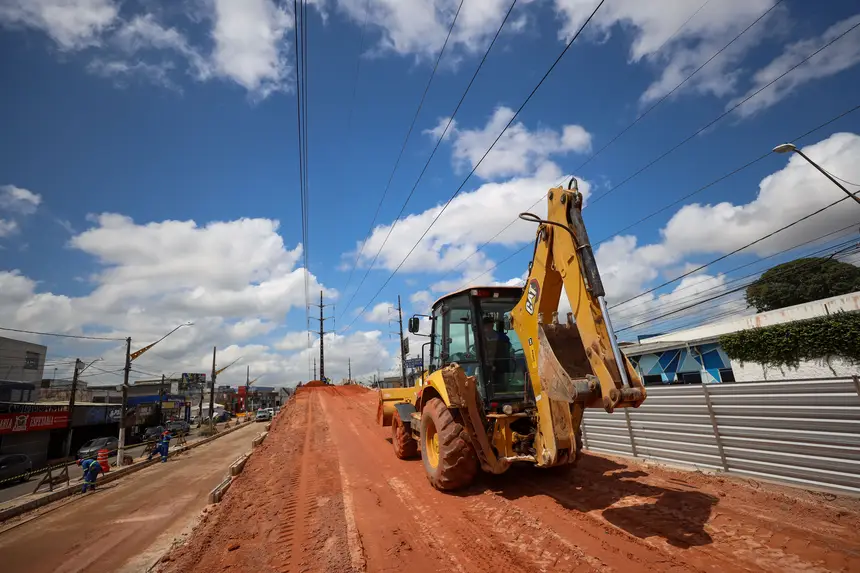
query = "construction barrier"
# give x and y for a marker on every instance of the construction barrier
(102, 460)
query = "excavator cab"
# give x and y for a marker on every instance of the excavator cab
(473, 329)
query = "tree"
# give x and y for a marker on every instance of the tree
(802, 280)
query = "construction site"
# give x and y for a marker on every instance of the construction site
(529, 443)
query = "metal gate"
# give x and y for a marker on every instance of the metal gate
(804, 432)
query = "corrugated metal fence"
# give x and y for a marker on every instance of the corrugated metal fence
(804, 432)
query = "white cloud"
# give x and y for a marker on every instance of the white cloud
(235, 280)
(652, 25)
(8, 228)
(15, 204)
(456, 235)
(19, 200)
(785, 196)
(250, 45)
(518, 152)
(421, 298)
(293, 341)
(250, 328)
(72, 24)
(842, 55)
(419, 27)
(121, 71)
(382, 313)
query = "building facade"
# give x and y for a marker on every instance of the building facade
(21, 361)
(694, 355)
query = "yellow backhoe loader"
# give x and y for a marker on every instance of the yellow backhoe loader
(492, 397)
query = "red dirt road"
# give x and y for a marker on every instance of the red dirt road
(325, 494)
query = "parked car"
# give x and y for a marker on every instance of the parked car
(263, 415)
(152, 433)
(12, 465)
(179, 427)
(91, 448)
(271, 412)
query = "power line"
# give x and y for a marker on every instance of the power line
(639, 117)
(662, 209)
(79, 336)
(357, 73)
(739, 249)
(709, 299)
(400, 156)
(481, 160)
(836, 248)
(722, 115)
(433, 152)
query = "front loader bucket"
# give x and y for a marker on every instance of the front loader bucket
(564, 369)
(388, 399)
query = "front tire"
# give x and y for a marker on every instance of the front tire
(404, 446)
(448, 456)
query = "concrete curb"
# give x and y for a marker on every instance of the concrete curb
(216, 494)
(259, 439)
(113, 475)
(239, 465)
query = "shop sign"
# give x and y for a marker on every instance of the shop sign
(33, 422)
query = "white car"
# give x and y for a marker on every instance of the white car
(271, 412)
(262, 415)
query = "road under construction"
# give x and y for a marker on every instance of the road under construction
(324, 493)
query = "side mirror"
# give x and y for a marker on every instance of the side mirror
(414, 325)
(509, 322)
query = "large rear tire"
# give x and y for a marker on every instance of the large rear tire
(448, 456)
(404, 446)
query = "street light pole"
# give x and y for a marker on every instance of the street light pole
(789, 147)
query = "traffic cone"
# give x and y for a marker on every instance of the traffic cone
(102, 459)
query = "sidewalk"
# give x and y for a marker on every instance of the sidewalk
(28, 502)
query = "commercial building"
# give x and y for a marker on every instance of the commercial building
(694, 355)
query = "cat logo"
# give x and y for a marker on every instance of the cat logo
(531, 297)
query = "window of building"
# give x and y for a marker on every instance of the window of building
(31, 361)
(690, 377)
(727, 375)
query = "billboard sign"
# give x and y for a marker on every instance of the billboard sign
(414, 362)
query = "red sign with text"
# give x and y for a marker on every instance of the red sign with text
(33, 422)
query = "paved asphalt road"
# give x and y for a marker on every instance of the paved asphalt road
(11, 491)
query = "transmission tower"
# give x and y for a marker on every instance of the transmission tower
(322, 332)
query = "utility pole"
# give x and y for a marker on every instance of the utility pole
(212, 391)
(248, 389)
(322, 332)
(78, 365)
(349, 366)
(121, 449)
(315, 368)
(403, 348)
(160, 399)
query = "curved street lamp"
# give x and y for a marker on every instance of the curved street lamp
(789, 147)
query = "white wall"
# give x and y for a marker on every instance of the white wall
(752, 371)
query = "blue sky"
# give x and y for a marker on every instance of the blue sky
(150, 171)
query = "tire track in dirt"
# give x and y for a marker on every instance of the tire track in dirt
(284, 513)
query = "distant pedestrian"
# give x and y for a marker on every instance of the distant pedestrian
(91, 469)
(165, 444)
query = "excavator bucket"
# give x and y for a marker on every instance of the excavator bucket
(564, 370)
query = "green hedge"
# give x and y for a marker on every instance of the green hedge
(823, 338)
